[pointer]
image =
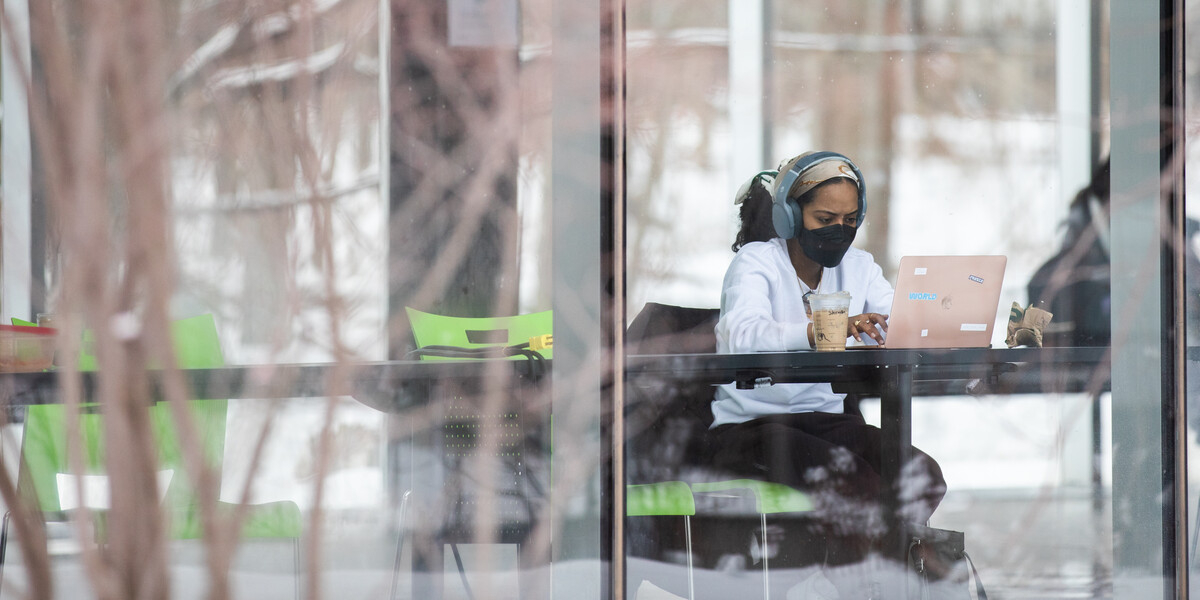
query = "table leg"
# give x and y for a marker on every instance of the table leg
(1097, 456)
(429, 475)
(896, 419)
(1100, 570)
(428, 566)
(895, 410)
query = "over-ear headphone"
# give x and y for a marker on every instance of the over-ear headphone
(785, 212)
(768, 182)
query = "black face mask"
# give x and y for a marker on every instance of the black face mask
(827, 245)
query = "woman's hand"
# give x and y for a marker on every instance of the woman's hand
(872, 324)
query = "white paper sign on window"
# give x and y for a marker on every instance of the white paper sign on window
(483, 23)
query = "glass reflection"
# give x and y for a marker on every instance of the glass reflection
(316, 168)
(979, 131)
(1191, 82)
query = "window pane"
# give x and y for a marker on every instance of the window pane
(347, 195)
(1191, 153)
(979, 129)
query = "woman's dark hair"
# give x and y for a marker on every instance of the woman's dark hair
(755, 215)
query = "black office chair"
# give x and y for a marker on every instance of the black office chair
(666, 439)
(665, 422)
(672, 416)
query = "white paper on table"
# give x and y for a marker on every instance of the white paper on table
(649, 591)
(96, 490)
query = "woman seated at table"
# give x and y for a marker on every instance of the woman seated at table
(799, 434)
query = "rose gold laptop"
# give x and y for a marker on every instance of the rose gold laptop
(945, 301)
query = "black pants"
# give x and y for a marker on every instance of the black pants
(837, 459)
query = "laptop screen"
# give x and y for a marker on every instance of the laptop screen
(945, 301)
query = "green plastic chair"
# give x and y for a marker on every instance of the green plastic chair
(666, 498)
(676, 498)
(431, 329)
(667, 329)
(443, 337)
(769, 499)
(44, 449)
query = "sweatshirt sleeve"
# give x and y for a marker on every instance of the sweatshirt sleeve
(879, 292)
(748, 322)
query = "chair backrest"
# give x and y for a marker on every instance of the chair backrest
(482, 442)
(430, 329)
(666, 329)
(665, 420)
(44, 443)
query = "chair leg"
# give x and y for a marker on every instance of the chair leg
(404, 499)
(687, 540)
(1195, 537)
(765, 559)
(296, 565)
(4, 545)
(462, 572)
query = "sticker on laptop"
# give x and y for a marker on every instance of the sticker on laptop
(973, 327)
(975, 278)
(920, 271)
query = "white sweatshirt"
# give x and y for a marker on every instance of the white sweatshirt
(762, 310)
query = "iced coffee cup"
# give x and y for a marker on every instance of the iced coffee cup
(829, 315)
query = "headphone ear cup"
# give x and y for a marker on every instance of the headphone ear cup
(785, 216)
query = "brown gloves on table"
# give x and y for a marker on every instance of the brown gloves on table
(1025, 326)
